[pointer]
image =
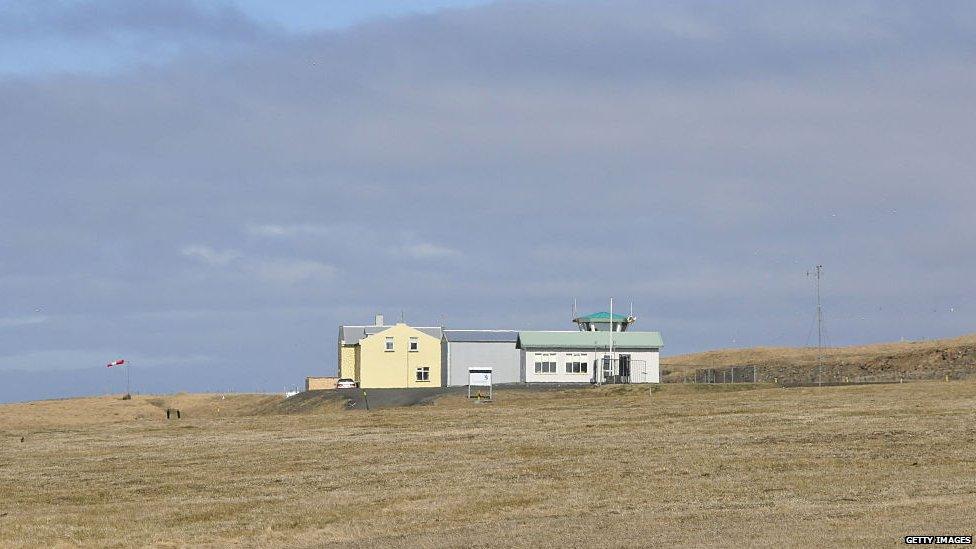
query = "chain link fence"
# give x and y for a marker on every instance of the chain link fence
(816, 375)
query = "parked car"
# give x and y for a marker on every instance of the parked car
(345, 383)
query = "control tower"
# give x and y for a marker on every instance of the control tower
(604, 322)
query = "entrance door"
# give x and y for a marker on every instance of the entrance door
(624, 368)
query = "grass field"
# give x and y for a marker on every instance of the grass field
(610, 466)
(911, 360)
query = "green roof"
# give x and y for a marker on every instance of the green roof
(601, 317)
(589, 340)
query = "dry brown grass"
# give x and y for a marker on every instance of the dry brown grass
(617, 466)
(808, 355)
(883, 361)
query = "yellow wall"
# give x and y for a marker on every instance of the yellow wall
(381, 368)
(320, 383)
(347, 361)
(357, 371)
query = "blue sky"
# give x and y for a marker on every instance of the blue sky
(311, 16)
(106, 36)
(209, 189)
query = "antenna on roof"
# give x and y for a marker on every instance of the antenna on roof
(631, 309)
(611, 336)
(401, 316)
(574, 308)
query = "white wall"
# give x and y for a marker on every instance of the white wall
(649, 372)
(652, 366)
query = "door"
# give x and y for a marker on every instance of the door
(624, 368)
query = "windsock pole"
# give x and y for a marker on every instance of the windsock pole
(121, 362)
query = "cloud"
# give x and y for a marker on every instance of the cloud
(694, 157)
(14, 322)
(281, 270)
(427, 250)
(286, 231)
(291, 272)
(210, 256)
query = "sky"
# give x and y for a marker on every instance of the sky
(209, 189)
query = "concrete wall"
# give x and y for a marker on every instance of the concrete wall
(645, 365)
(381, 368)
(502, 357)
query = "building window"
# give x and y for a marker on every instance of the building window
(545, 363)
(389, 344)
(423, 374)
(577, 364)
(414, 345)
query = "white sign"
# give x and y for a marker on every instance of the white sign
(479, 376)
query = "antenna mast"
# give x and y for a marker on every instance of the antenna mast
(819, 330)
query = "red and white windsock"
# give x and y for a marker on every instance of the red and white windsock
(118, 362)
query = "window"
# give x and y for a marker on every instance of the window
(577, 363)
(423, 374)
(389, 344)
(414, 345)
(545, 363)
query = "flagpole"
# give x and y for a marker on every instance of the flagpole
(611, 337)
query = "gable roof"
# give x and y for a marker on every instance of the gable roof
(481, 336)
(589, 340)
(351, 335)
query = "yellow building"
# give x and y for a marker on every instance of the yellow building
(390, 356)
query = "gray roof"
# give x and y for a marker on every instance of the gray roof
(351, 335)
(481, 336)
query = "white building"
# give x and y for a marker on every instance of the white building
(600, 351)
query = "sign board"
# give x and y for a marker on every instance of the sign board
(479, 376)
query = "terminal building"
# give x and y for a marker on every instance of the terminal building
(603, 349)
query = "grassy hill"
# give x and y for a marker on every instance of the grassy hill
(933, 359)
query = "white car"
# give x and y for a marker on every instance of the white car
(345, 383)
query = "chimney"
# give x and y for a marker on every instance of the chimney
(379, 320)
